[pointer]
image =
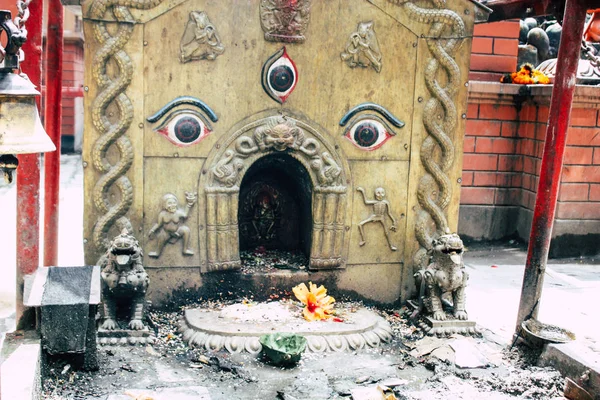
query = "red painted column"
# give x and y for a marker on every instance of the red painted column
(28, 173)
(552, 160)
(53, 125)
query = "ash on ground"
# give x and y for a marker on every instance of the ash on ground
(261, 260)
(411, 366)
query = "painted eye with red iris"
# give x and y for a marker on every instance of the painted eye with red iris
(184, 127)
(368, 131)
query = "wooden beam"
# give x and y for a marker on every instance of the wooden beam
(509, 9)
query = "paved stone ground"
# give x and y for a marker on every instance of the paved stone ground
(570, 297)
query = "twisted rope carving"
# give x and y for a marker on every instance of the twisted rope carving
(112, 90)
(439, 118)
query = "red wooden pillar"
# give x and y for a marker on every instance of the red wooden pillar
(552, 160)
(53, 125)
(28, 174)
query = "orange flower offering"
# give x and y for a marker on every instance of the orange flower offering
(319, 306)
(527, 75)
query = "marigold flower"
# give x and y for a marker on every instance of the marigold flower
(318, 305)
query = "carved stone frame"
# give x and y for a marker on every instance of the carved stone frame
(330, 204)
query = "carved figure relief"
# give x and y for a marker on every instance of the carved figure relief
(124, 282)
(362, 49)
(284, 20)
(445, 275)
(278, 134)
(170, 226)
(381, 209)
(200, 39)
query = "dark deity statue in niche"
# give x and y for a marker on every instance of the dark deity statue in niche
(285, 20)
(170, 226)
(263, 219)
(124, 282)
(200, 40)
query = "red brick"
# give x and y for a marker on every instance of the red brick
(467, 178)
(509, 129)
(512, 163)
(583, 137)
(477, 195)
(480, 162)
(528, 113)
(596, 157)
(495, 111)
(578, 155)
(498, 179)
(495, 145)
(540, 132)
(543, 114)
(469, 145)
(516, 181)
(583, 117)
(573, 192)
(580, 173)
(526, 147)
(506, 47)
(528, 199)
(579, 210)
(530, 165)
(493, 63)
(594, 192)
(527, 181)
(527, 130)
(472, 110)
(482, 45)
(508, 197)
(507, 29)
(477, 127)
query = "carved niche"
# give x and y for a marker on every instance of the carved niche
(285, 20)
(279, 134)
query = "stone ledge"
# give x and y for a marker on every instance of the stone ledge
(209, 330)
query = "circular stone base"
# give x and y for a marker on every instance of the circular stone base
(237, 328)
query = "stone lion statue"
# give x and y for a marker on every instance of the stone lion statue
(444, 277)
(124, 282)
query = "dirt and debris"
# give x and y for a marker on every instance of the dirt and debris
(406, 368)
(261, 260)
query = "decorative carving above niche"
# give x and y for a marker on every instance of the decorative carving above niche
(200, 39)
(362, 49)
(284, 20)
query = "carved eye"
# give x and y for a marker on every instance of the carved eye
(368, 132)
(184, 127)
(279, 76)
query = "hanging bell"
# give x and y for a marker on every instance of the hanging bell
(21, 130)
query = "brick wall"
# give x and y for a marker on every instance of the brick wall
(504, 142)
(495, 49)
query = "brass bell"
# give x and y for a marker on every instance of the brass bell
(21, 130)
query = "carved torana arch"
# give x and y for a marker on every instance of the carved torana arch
(275, 135)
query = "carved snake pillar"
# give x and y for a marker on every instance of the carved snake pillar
(113, 132)
(440, 119)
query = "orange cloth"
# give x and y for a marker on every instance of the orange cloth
(592, 28)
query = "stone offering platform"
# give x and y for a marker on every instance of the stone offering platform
(238, 327)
